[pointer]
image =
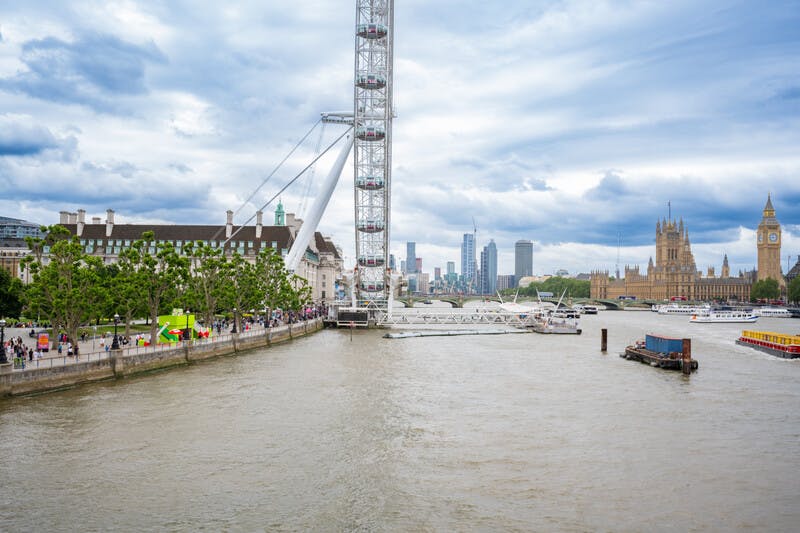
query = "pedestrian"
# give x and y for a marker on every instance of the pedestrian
(30, 354)
(59, 348)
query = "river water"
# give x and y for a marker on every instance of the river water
(490, 433)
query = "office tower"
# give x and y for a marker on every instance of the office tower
(392, 264)
(505, 281)
(418, 267)
(437, 273)
(423, 283)
(488, 283)
(451, 267)
(468, 259)
(523, 259)
(411, 257)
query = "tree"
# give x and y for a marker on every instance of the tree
(794, 290)
(125, 281)
(160, 270)
(557, 285)
(272, 275)
(209, 280)
(766, 289)
(11, 294)
(243, 292)
(67, 288)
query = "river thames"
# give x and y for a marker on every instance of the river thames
(470, 433)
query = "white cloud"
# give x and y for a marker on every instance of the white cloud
(564, 122)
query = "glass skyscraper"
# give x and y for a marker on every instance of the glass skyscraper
(489, 268)
(523, 259)
(468, 259)
(411, 257)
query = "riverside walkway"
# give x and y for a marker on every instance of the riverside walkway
(93, 350)
(56, 372)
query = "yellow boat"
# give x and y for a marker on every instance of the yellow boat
(777, 344)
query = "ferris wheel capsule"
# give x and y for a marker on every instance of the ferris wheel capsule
(370, 133)
(371, 81)
(371, 286)
(370, 226)
(371, 260)
(372, 31)
(369, 183)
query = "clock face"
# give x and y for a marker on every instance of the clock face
(760, 238)
(773, 237)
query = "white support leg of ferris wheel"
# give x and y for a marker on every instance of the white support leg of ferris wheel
(309, 226)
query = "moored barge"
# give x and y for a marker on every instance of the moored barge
(777, 344)
(663, 352)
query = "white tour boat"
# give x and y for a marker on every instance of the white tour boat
(774, 312)
(675, 309)
(724, 316)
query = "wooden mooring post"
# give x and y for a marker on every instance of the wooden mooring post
(686, 367)
(604, 340)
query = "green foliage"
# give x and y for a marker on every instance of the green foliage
(278, 288)
(11, 294)
(767, 289)
(575, 288)
(148, 280)
(66, 289)
(159, 272)
(209, 280)
(794, 290)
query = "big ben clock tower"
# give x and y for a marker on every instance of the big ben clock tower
(769, 246)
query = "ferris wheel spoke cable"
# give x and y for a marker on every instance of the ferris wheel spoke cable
(298, 176)
(310, 180)
(264, 182)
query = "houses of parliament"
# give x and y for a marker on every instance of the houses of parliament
(675, 274)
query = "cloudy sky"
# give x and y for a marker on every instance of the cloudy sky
(569, 123)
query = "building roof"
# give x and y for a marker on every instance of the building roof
(281, 235)
(794, 272)
(325, 246)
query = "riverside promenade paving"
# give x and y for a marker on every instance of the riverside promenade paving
(92, 350)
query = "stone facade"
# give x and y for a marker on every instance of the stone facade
(321, 265)
(769, 246)
(673, 275)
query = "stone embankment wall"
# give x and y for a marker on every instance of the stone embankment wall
(120, 365)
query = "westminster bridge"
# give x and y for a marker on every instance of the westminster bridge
(458, 301)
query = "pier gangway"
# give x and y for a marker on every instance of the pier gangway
(445, 316)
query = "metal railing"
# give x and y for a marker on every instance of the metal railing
(52, 361)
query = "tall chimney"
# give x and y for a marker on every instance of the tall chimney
(63, 217)
(229, 224)
(259, 219)
(96, 220)
(73, 218)
(109, 222)
(81, 222)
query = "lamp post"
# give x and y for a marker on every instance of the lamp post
(186, 334)
(234, 321)
(115, 342)
(3, 359)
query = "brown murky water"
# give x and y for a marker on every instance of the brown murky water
(491, 433)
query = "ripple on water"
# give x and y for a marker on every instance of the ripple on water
(514, 432)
